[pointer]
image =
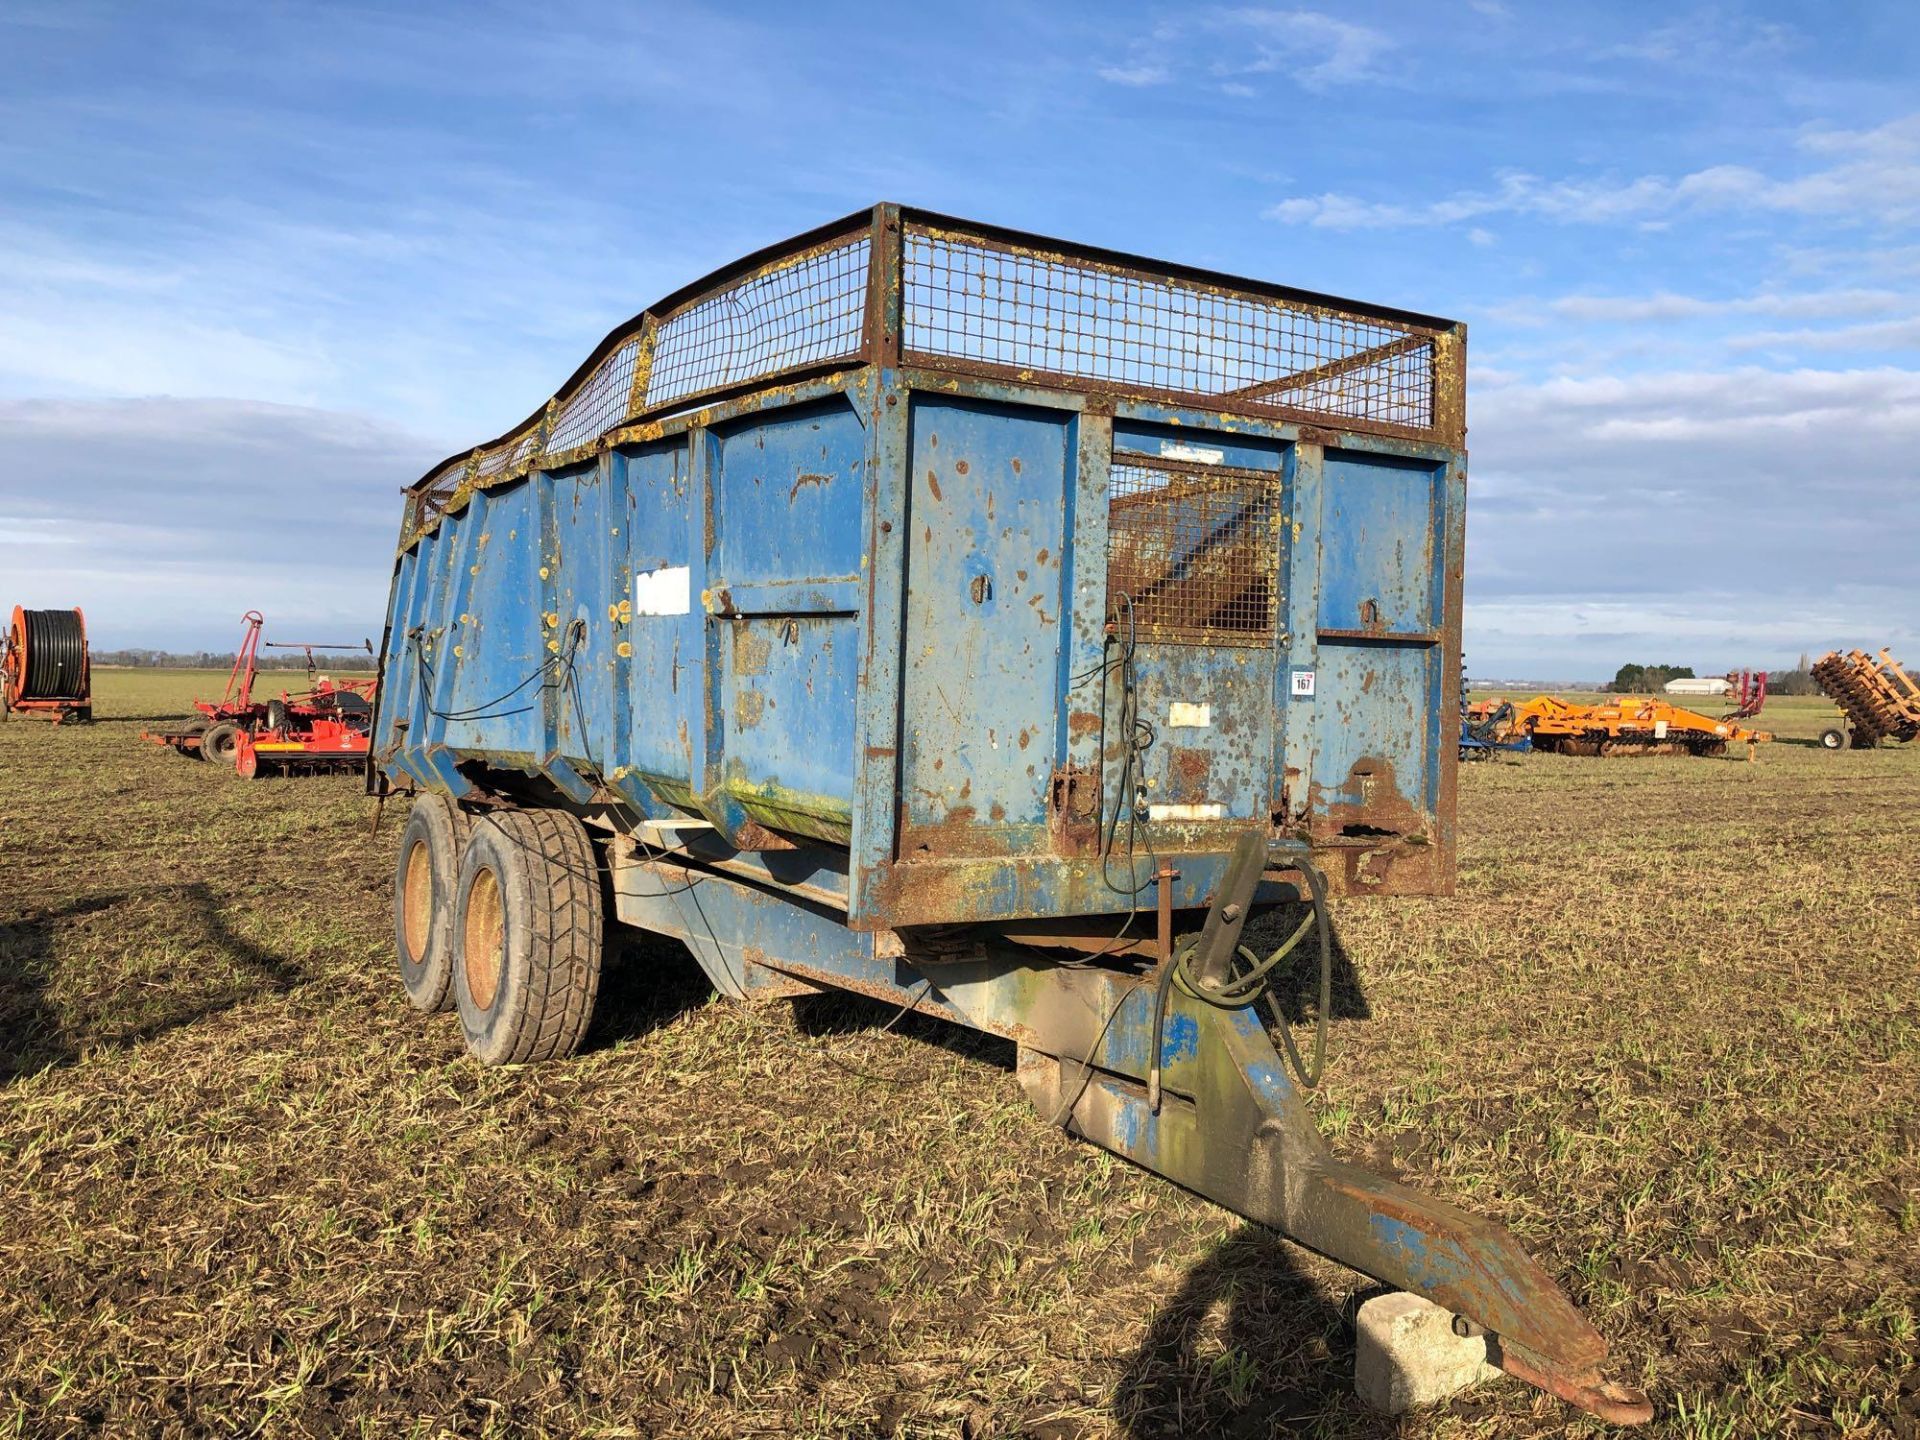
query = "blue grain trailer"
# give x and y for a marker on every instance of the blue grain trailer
(989, 625)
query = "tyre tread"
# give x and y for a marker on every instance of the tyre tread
(566, 934)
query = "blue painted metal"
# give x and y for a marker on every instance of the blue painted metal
(833, 658)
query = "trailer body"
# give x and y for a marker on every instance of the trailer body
(917, 604)
(850, 620)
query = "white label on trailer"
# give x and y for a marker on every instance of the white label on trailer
(1186, 714)
(1159, 813)
(1659, 729)
(667, 591)
(1303, 684)
(1197, 454)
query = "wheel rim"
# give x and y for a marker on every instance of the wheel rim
(416, 900)
(486, 928)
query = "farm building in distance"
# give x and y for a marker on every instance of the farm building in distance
(1705, 685)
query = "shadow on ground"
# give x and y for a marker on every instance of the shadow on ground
(647, 982)
(99, 1007)
(1249, 1347)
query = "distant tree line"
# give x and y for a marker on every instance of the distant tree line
(1638, 679)
(215, 660)
(1648, 677)
(1798, 681)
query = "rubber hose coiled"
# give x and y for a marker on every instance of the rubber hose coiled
(56, 655)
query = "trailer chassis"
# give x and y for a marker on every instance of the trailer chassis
(1229, 1122)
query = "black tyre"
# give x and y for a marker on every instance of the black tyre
(220, 742)
(278, 716)
(426, 878)
(1833, 738)
(527, 936)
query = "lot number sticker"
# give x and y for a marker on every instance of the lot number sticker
(1303, 684)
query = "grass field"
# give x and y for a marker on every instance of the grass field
(1668, 1033)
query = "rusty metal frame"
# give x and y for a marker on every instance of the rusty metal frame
(884, 229)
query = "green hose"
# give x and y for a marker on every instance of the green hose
(1247, 987)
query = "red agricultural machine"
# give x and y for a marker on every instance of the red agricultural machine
(1748, 691)
(44, 666)
(322, 729)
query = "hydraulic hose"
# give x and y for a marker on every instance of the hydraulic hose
(1247, 986)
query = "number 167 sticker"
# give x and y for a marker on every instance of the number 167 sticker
(1303, 684)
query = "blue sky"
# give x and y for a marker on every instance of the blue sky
(261, 264)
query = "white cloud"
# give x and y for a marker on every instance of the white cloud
(1705, 39)
(1711, 518)
(1667, 305)
(1898, 334)
(1311, 49)
(1141, 74)
(166, 519)
(1876, 179)
(1317, 50)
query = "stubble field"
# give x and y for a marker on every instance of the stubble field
(1668, 1033)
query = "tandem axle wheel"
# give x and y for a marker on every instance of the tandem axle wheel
(500, 917)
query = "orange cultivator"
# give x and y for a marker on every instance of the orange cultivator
(1880, 699)
(1629, 725)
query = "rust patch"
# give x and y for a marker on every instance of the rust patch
(752, 835)
(1082, 723)
(960, 467)
(749, 707)
(1073, 810)
(808, 478)
(751, 650)
(1368, 804)
(933, 484)
(1189, 775)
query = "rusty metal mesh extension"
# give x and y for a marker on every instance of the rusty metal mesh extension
(804, 309)
(986, 303)
(801, 312)
(978, 302)
(1195, 547)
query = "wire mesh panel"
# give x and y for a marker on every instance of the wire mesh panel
(991, 302)
(804, 310)
(1193, 550)
(981, 303)
(601, 401)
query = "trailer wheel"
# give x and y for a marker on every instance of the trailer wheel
(1833, 738)
(220, 743)
(527, 936)
(425, 882)
(279, 718)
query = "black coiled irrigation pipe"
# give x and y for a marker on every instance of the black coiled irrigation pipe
(56, 648)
